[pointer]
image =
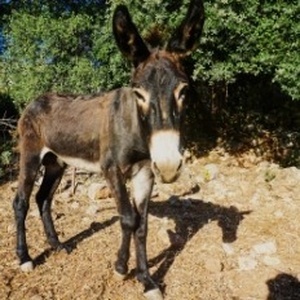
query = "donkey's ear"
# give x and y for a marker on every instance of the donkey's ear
(188, 33)
(127, 37)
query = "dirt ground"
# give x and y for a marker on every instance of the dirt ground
(237, 237)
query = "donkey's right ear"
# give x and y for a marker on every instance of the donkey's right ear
(186, 36)
(127, 37)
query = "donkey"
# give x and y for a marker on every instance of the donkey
(128, 133)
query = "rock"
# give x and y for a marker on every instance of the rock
(75, 205)
(228, 249)
(271, 260)
(211, 172)
(35, 212)
(14, 185)
(247, 263)
(265, 248)
(213, 265)
(36, 297)
(92, 209)
(255, 199)
(98, 191)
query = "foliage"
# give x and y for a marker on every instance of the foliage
(53, 52)
(6, 156)
(251, 37)
(68, 45)
(53, 48)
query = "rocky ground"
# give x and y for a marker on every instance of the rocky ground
(228, 229)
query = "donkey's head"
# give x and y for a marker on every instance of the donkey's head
(160, 84)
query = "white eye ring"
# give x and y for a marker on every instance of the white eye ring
(182, 97)
(139, 96)
(142, 98)
(180, 94)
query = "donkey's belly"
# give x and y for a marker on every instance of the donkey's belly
(80, 163)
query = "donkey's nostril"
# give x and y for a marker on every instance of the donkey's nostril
(179, 166)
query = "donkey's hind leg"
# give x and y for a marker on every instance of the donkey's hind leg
(52, 177)
(29, 165)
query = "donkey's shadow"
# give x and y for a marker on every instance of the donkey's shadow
(190, 215)
(72, 243)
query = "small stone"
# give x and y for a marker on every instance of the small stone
(265, 248)
(98, 191)
(255, 199)
(228, 249)
(36, 297)
(214, 265)
(92, 209)
(211, 172)
(27, 266)
(247, 263)
(278, 214)
(75, 205)
(104, 193)
(153, 295)
(14, 185)
(11, 228)
(271, 260)
(35, 212)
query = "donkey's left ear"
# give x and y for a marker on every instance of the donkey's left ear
(188, 33)
(127, 36)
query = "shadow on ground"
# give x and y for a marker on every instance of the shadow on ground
(190, 215)
(284, 287)
(72, 243)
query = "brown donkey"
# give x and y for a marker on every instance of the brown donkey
(128, 133)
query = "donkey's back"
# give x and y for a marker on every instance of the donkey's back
(78, 130)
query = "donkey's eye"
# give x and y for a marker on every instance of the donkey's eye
(142, 98)
(180, 94)
(183, 93)
(139, 96)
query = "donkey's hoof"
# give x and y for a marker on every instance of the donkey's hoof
(154, 295)
(67, 248)
(63, 247)
(119, 276)
(27, 266)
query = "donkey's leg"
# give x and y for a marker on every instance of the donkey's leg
(142, 184)
(116, 183)
(29, 165)
(51, 180)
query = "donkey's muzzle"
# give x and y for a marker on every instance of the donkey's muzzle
(166, 159)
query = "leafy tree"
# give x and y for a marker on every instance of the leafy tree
(251, 37)
(68, 45)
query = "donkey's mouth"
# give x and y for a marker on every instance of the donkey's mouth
(167, 173)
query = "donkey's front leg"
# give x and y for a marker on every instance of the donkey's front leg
(116, 182)
(142, 184)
